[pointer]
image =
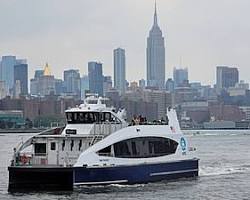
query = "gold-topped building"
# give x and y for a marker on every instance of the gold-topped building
(47, 71)
(43, 85)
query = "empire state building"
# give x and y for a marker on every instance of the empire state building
(155, 56)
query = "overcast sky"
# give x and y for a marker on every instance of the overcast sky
(199, 34)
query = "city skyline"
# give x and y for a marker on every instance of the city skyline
(201, 42)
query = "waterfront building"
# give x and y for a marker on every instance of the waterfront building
(185, 94)
(43, 85)
(226, 77)
(84, 86)
(180, 76)
(142, 83)
(120, 70)
(72, 82)
(242, 85)
(3, 91)
(7, 71)
(17, 89)
(107, 84)
(133, 85)
(95, 78)
(21, 75)
(170, 85)
(158, 97)
(246, 110)
(155, 56)
(58, 86)
(11, 119)
(38, 73)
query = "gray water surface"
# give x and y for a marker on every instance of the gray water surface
(224, 173)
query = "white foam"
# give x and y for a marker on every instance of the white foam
(128, 186)
(216, 171)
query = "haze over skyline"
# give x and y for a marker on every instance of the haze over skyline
(203, 34)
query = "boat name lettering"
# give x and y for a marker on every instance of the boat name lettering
(71, 131)
(104, 160)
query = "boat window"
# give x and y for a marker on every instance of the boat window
(80, 145)
(52, 146)
(134, 151)
(63, 145)
(92, 101)
(82, 117)
(91, 117)
(122, 149)
(40, 149)
(71, 145)
(107, 117)
(145, 147)
(69, 117)
(105, 152)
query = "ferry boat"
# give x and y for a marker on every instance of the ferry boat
(97, 147)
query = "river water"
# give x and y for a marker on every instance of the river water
(224, 173)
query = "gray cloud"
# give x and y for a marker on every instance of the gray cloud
(70, 33)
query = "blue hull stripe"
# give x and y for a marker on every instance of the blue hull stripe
(135, 174)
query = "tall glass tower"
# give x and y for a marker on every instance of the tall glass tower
(155, 56)
(119, 70)
(95, 78)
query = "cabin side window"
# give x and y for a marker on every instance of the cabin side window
(63, 145)
(82, 117)
(80, 145)
(40, 149)
(71, 145)
(105, 152)
(145, 147)
(52, 146)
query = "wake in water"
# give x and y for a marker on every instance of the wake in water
(222, 170)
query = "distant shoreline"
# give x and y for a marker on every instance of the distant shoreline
(21, 130)
(195, 131)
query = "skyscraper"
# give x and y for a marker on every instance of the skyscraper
(226, 77)
(155, 56)
(72, 82)
(21, 74)
(7, 71)
(38, 73)
(107, 84)
(95, 78)
(170, 85)
(119, 70)
(84, 86)
(44, 83)
(180, 76)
